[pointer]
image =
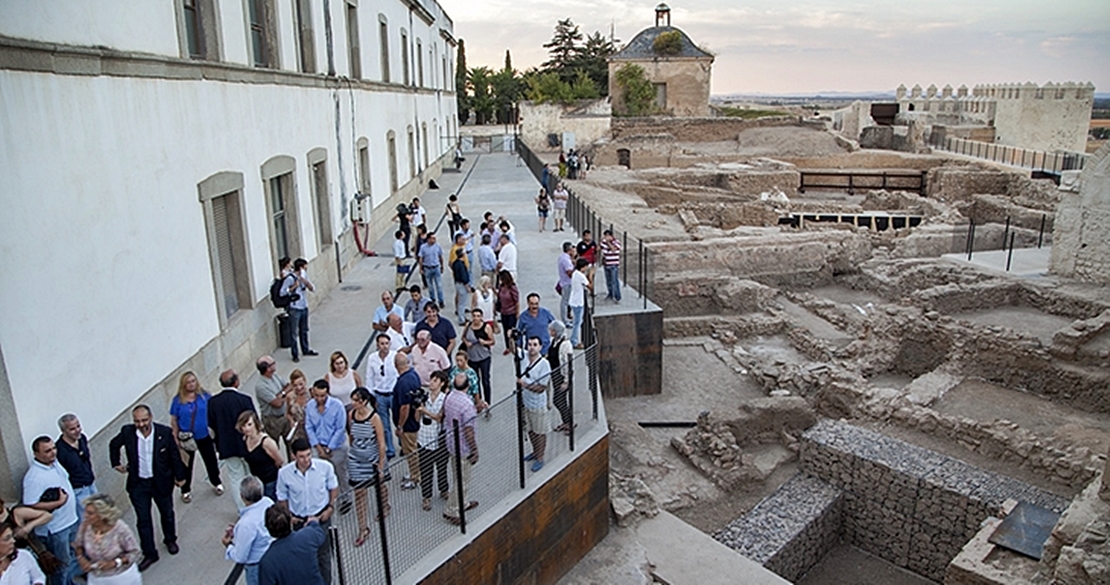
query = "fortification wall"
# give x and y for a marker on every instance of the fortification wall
(1082, 242)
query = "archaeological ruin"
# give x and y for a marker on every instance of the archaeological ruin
(873, 361)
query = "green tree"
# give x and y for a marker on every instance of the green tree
(506, 88)
(593, 60)
(481, 96)
(563, 49)
(462, 100)
(637, 93)
(508, 61)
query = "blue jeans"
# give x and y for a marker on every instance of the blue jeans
(577, 312)
(298, 320)
(613, 282)
(385, 406)
(80, 494)
(475, 273)
(251, 573)
(432, 276)
(59, 544)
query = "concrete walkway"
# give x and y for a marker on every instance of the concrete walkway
(341, 321)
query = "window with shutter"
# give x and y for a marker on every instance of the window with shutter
(225, 252)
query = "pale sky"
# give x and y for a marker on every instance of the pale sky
(791, 46)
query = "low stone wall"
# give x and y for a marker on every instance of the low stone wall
(911, 506)
(694, 129)
(790, 530)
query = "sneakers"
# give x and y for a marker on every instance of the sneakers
(186, 497)
(530, 457)
(538, 465)
(219, 489)
(427, 505)
(311, 353)
(408, 484)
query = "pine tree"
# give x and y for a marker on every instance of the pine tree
(462, 101)
(508, 61)
(593, 60)
(563, 48)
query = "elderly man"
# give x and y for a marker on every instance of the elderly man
(441, 330)
(153, 468)
(427, 357)
(73, 455)
(388, 307)
(285, 562)
(404, 414)
(223, 414)
(46, 487)
(272, 391)
(381, 376)
(458, 415)
(325, 423)
(248, 540)
(307, 488)
(400, 334)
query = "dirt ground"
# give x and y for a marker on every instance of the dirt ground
(848, 565)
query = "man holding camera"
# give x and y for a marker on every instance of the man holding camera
(408, 396)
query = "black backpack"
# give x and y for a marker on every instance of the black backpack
(279, 300)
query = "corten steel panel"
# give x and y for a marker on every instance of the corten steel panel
(631, 354)
(545, 535)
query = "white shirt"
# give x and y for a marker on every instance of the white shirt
(146, 454)
(399, 249)
(381, 373)
(308, 492)
(40, 477)
(507, 257)
(251, 540)
(402, 339)
(23, 571)
(417, 215)
(578, 282)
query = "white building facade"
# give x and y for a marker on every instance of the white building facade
(159, 156)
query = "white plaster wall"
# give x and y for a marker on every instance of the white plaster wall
(146, 26)
(107, 283)
(539, 120)
(1044, 124)
(233, 27)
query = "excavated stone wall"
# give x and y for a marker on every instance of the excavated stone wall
(694, 129)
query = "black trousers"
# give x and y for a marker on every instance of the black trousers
(207, 451)
(433, 460)
(142, 494)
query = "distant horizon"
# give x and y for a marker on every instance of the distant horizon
(796, 46)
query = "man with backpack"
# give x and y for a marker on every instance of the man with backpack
(294, 284)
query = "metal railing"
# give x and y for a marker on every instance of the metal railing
(1036, 160)
(406, 533)
(636, 260)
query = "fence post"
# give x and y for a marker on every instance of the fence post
(1006, 232)
(640, 266)
(459, 477)
(381, 529)
(971, 241)
(624, 254)
(336, 551)
(1010, 255)
(1040, 236)
(569, 378)
(646, 258)
(519, 418)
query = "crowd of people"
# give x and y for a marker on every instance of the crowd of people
(287, 459)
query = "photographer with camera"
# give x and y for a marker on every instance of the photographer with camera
(432, 452)
(408, 395)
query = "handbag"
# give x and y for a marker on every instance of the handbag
(185, 438)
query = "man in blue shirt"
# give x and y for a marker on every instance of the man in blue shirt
(248, 540)
(289, 559)
(325, 422)
(404, 417)
(73, 455)
(534, 322)
(382, 312)
(442, 331)
(430, 260)
(487, 258)
(45, 477)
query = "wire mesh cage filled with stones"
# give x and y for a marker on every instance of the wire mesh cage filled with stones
(496, 452)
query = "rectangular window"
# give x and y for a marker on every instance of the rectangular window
(305, 36)
(412, 154)
(353, 53)
(383, 37)
(419, 63)
(263, 33)
(323, 204)
(391, 141)
(660, 96)
(364, 168)
(230, 253)
(277, 210)
(194, 38)
(405, 57)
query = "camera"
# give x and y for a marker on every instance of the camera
(418, 396)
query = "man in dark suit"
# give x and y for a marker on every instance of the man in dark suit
(153, 468)
(223, 415)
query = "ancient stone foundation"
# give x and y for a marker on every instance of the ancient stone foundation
(908, 505)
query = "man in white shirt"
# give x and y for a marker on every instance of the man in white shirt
(400, 253)
(418, 213)
(506, 256)
(46, 477)
(248, 539)
(308, 487)
(381, 375)
(400, 334)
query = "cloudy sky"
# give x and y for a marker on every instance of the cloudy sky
(789, 46)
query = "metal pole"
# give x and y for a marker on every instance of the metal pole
(570, 398)
(333, 536)
(520, 432)
(381, 531)
(967, 243)
(459, 478)
(1040, 236)
(640, 263)
(624, 253)
(645, 294)
(971, 242)
(1010, 255)
(1006, 232)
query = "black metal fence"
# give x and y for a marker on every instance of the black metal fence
(394, 542)
(1036, 160)
(636, 261)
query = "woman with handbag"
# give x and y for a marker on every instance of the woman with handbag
(23, 521)
(106, 546)
(189, 420)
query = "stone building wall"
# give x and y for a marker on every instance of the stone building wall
(686, 79)
(587, 120)
(1082, 241)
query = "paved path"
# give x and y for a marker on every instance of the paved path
(496, 182)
